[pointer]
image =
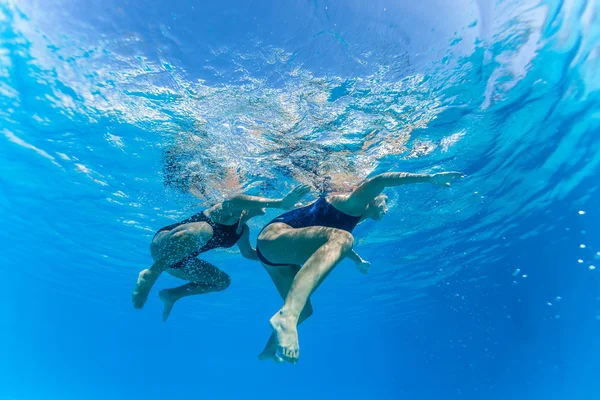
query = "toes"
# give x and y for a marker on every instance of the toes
(138, 300)
(289, 355)
(294, 355)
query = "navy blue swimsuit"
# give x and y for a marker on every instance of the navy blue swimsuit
(319, 213)
(223, 236)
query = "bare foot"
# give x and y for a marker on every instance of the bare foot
(287, 336)
(168, 301)
(145, 281)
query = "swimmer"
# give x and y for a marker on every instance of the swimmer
(174, 248)
(301, 247)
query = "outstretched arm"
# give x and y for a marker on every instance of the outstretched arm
(372, 187)
(246, 202)
(245, 246)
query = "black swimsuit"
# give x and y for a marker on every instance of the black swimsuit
(319, 213)
(223, 236)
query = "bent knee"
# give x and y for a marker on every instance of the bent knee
(223, 282)
(345, 239)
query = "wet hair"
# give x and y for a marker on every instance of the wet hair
(175, 171)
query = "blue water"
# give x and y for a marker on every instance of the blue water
(486, 290)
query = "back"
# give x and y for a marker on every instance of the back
(319, 213)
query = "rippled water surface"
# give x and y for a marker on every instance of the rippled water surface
(112, 112)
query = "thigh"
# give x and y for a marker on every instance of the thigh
(199, 271)
(281, 244)
(181, 241)
(283, 277)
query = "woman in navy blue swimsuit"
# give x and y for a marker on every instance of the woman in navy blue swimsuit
(174, 248)
(301, 247)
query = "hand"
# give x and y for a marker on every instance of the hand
(445, 178)
(293, 197)
(257, 212)
(247, 215)
(363, 266)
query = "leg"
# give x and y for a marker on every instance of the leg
(319, 249)
(203, 278)
(282, 278)
(167, 248)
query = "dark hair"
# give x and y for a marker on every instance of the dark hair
(175, 173)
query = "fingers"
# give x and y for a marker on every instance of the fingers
(294, 196)
(457, 175)
(446, 178)
(302, 189)
(366, 268)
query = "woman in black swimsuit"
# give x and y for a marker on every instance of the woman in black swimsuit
(301, 247)
(174, 248)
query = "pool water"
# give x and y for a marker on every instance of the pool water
(112, 112)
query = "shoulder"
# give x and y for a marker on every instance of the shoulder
(346, 204)
(337, 197)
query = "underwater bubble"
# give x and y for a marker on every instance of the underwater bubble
(517, 271)
(581, 212)
(580, 261)
(558, 298)
(524, 275)
(592, 267)
(582, 246)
